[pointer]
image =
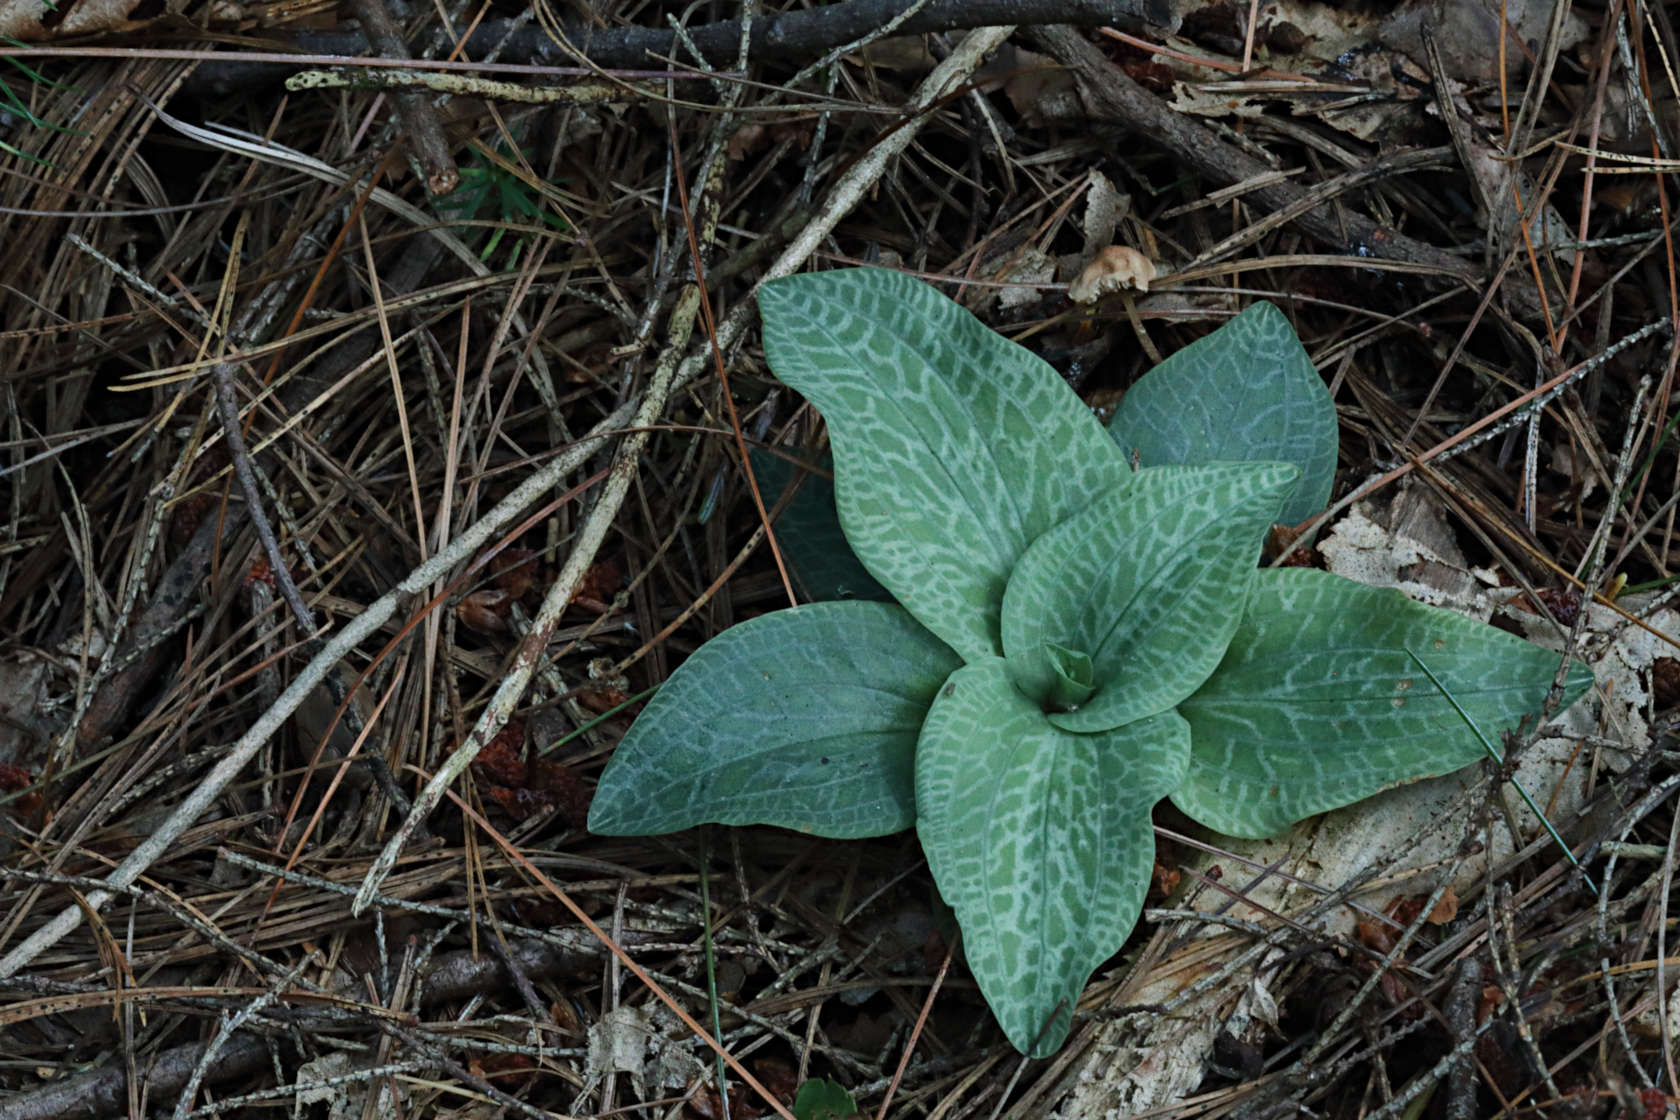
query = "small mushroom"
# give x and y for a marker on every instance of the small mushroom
(1118, 268)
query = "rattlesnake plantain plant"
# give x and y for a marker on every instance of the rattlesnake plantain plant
(1073, 638)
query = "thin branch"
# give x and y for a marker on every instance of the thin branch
(422, 130)
(460, 550)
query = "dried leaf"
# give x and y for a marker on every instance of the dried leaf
(527, 787)
(485, 611)
(514, 571)
(598, 586)
(1446, 908)
(1039, 89)
(1164, 880)
(12, 779)
(1118, 268)
(501, 762)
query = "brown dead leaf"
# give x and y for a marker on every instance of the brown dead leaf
(1446, 909)
(261, 573)
(1039, 89)
(509, 1072)
(1375, 936)
(1564, 603)
(514, 571)
(485, 611)
(779, 1077)
(501, 762)
(756, 136)
(525, 787)
(36, 21)
(606, 690)
(187, 512)
(774, 1074)
(601, 700)
(598, 586)
(1468, 32)
(14, 778)
(554, 785)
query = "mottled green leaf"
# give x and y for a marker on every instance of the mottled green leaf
(1149, 581)
(954, 448)
(805, 718)
(1074, 679)
(1245, 393)
(1040, 841)
(809, 531)
(1054, 677)
(1317, 704)
(822, 1099)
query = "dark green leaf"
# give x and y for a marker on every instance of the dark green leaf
(824, 565)
(1245, 393)
(822, 1099)
(1317, 704)
(805, 718)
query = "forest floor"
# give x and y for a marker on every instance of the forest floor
(445, 341)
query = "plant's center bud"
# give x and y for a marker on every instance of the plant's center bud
(1069, 679)
(1054, 677)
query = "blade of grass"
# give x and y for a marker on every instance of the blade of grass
(1493, 753)
(711, 964)
(597, 721)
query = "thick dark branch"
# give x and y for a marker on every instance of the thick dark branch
(105, 1091)
(806, 33)
(795, 36)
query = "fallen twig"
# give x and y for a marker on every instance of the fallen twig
(791, 36)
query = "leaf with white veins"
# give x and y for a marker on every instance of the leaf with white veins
(954, 448)
(1148, 581)
(805, 718)
(1040, 840)
(1318, 704)
(1245, 393)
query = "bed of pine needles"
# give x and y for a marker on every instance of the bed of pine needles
(221, 297)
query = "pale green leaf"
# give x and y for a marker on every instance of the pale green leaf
(1245, 393)
(954, 448)
(1040, 841)
(822, 1099)
(805, 718)
(809, 531)
(1317, 703)
(1073, 677)
(1148, 581)
(1056, 678)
